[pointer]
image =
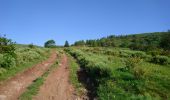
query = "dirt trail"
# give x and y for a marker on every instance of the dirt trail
(57, 85)
(14, 87)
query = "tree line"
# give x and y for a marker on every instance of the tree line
(144, 42)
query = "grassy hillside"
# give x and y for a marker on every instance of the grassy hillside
(117, 73)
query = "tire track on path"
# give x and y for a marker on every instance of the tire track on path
(14, 87)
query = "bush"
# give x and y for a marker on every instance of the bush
(2, 70)
(163, 60)
(138, 72)
(132, 65)
(20, 58)
(123, 54)
(25, 55)
(30, 56)
(6, 46)
(154, 53)
(1, 59)
(109, 52)
(166, 52)
(132, 62)
(8, 61)
(139, 54)
(31, 46)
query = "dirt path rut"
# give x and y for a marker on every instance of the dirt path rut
(14, 87)
(57, 85)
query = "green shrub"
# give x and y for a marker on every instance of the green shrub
(138, 72)
(132, 65)
(123, 54)
(20, 58)
(30, 56)
(31, 46)
(2, 70)
(8, 61)
(139, 54)
(148, 58)
(132, 62)
(109, 52)
(154, 53)
(6, 45)
(25, 54)
(1, 59)
(166, 53)
(163, 60)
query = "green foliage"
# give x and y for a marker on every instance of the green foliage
(1, 59)
(8, 61)
(31, 46)
(114, 79)
(144, 42)
(50, 44)
(66, 44)
(132, 65)
(154, 52)
(165, 41)
(132, 62)
(74, 67)
(6, 45)
(79, 43)
(22, 58)
(163, 60)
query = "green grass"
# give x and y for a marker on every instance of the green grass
(33, 89)
(14, 70)
(74, 67)
(144, 81)
(23, 59)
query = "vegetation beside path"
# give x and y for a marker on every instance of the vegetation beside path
(124, 74)
(17, 58)
(74, 68)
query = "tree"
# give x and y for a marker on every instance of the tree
(50, 44)
(66, 44)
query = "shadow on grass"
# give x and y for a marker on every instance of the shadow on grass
(89, 85)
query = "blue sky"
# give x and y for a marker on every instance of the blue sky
(36, 21)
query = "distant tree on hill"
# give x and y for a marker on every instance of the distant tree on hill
(66, 44)
(50, 44)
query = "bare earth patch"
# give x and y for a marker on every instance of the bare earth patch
(57, 85)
